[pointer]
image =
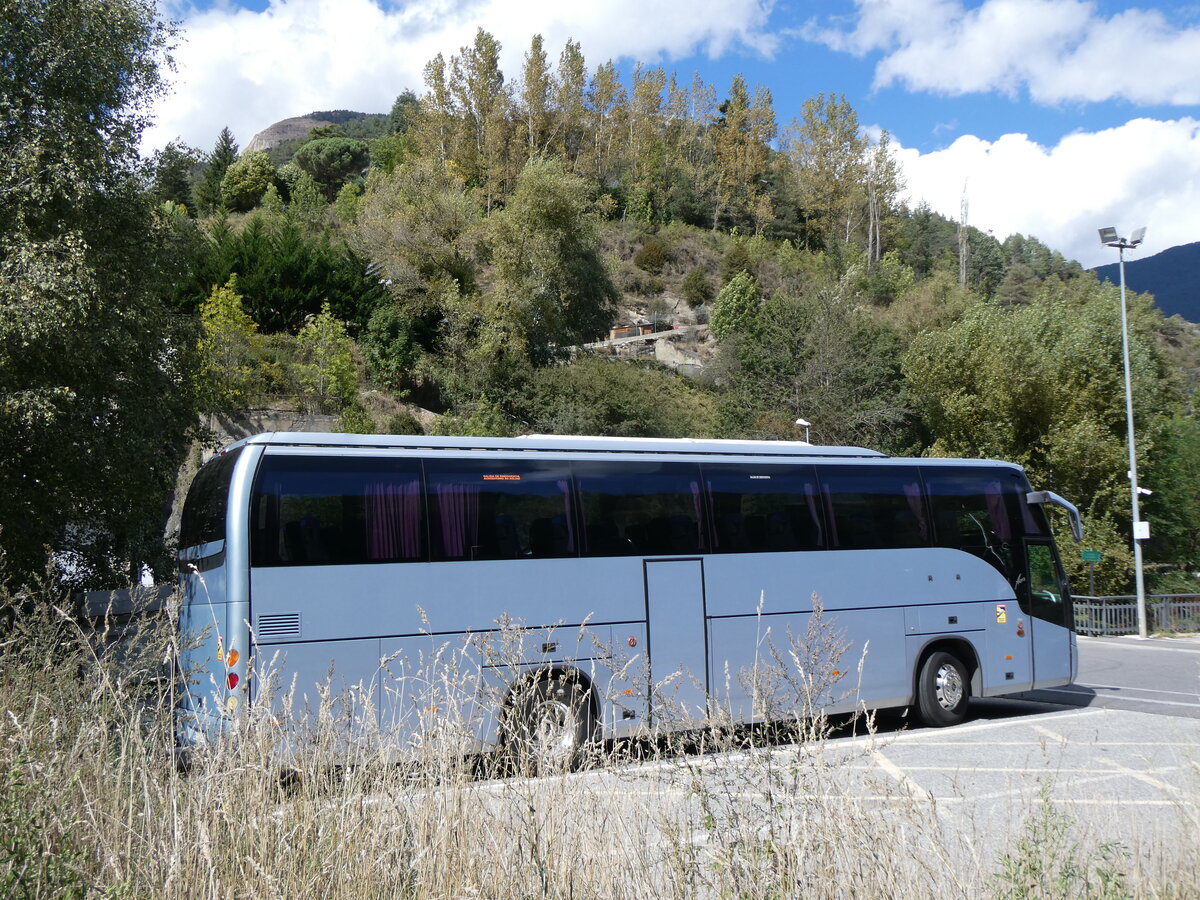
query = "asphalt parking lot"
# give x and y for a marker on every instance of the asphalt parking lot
(1119, 758)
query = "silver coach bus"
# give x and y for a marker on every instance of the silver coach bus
(344, 565)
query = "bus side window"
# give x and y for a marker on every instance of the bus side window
(875, 508)
(764, 508)
(974, 511)
(500, 509)
(641, 509)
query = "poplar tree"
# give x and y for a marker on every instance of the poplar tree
(607, 110)
(829, 152)
(569, 98)
(535, 100)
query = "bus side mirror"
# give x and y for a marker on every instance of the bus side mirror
(1039, 498)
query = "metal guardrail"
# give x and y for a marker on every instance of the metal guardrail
(1113, 616)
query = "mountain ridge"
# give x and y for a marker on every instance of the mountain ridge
(1172, 276)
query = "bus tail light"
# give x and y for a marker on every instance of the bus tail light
(233, 680)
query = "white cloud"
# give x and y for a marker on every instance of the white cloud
(1058, 50)
(1145, 172)
(248, 69)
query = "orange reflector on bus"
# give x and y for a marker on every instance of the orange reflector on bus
(836, 672)
(232, 658)
(1009, 656)
(628, 692)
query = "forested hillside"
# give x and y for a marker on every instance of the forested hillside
(455, 255)
(1170, 275)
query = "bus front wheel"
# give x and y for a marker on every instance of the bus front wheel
(550, 724)
(943, 688)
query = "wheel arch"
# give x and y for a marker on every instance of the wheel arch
(554, 672)
(958, 646)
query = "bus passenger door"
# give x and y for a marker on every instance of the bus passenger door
(678, 640)
(1047, 603)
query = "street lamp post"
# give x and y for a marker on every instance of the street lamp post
(1141, 530)
(805, 425)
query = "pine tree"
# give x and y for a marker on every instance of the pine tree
(224, 153)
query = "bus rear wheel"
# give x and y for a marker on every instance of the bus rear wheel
(550, 724)
(943, 688)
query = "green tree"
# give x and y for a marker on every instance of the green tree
(741, 138)
(569, 100)
(421, 229)
(736, 305)
(333, 161)
(480, 95)
(820, 356)
(229, 351)
(285, 272)
(324, 371)
(246, 180)
(94, 403)
(535, 100)
(1041, 384)
(223, 155)
(550, 276)
(172, 171)
(830, 154)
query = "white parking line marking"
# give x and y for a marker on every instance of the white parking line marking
(1143, 777)
(1125, 699)
(1129, 687)
(918, 792)
(1144, 645)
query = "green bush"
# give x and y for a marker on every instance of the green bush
(652, 256)
(697, 289)
(402, 422)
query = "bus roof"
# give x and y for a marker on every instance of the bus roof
(561, 443)
(594, 444)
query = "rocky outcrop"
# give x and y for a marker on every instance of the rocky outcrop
(288, 129)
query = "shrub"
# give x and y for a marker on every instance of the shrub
(652, 256)
(697, 289)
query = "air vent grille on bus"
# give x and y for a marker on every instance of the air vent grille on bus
(278, 625)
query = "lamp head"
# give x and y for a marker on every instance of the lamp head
(1137, 236)
(1109, 236)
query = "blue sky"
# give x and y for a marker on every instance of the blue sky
(1057, 116)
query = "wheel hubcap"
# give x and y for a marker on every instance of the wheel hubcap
(554, 731)
(949, 686)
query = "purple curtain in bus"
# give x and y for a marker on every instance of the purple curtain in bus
(912, 491)
(394, 520)
(458, 513)
(993, 494)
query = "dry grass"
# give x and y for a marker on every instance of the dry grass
(91, 803)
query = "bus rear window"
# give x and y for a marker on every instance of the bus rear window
(203, 520)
